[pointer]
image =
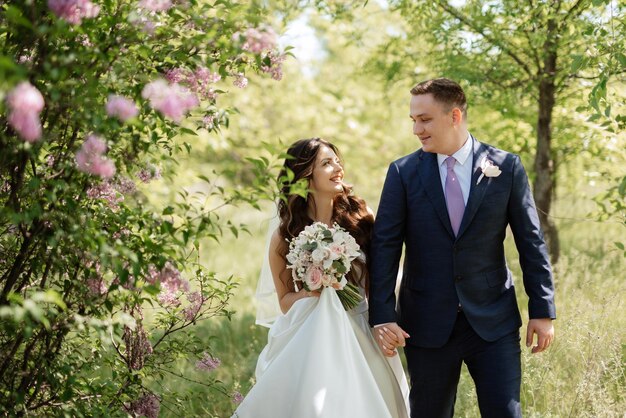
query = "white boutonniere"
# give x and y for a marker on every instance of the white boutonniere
(488, 169)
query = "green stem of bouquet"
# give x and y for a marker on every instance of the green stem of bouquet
(349, 296)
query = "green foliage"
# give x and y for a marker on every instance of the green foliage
(100, 284)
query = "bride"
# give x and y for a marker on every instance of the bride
(321, 360)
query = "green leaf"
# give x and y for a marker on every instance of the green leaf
(167, 227)
(577, 62)
(338, 265)
(152, 289)
(187, 131)
(14, 15)
(53, 296)
(7, 64)
(622, 187)
(619, 245)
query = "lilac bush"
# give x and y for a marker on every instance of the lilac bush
(94, 97)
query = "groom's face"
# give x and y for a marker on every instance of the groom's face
(433, 124)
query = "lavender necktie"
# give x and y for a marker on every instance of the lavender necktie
(454, 196)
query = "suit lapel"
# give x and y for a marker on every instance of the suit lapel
(429, 173)
(477, 191)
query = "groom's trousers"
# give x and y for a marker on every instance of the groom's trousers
(494, 367)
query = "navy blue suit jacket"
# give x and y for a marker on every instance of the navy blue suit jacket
(441, 270)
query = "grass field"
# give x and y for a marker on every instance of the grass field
(582, 375)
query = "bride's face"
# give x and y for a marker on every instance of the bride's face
(327, 172)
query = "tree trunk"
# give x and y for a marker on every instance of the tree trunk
(544, 164)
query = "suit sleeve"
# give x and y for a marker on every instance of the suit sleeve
(532, 249)
(386, 248)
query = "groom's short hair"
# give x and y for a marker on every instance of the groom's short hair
(445, 91)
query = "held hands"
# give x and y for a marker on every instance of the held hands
(389, 336)
(545, 334)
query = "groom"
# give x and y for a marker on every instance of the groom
(450, 204)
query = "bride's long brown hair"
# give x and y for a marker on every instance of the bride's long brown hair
(349, 211)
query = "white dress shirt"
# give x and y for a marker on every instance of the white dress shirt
(462, 167)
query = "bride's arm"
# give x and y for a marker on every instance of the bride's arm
(283, 282)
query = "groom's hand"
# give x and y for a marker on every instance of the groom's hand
(389, 336)
(545, 334)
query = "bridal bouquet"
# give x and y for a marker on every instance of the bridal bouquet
(321, 257)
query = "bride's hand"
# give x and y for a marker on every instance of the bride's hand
(389, 336)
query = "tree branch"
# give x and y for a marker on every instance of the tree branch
(506, 49)
(208, 385)
(572, 13)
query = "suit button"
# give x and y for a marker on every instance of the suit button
(458, 278)
(455, 248)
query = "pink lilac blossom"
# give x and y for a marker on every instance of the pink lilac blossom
(208, 363)
(199, 81)
(149, 173)
(204, 75)
(195, 299)
(209, 121)
(136, 340)
(171, 283)
(172, 100)
(23, 59)
(27, 125)
(202, 83)
(259, 40)
(147, 406)
(153, 275)
(121, 108)
(155, 5)
(275, 66)
(237, 398)
(25, 98)
(25, 103)
(176, 75)
(106, 192)
(172, 278)
(73, 11)
(240, 81)
(96, 286)
(143, 22)
(129, 284)
(125, 185)
(90, 159)
(84, 40)
(148, 26)
(168, 298)
(124, 232)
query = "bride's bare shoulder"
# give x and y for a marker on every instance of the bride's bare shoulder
(277, 240)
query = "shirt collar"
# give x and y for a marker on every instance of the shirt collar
(462, 153)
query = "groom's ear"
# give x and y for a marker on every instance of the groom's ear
(457, 116)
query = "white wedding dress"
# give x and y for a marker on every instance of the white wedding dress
(323, 362)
